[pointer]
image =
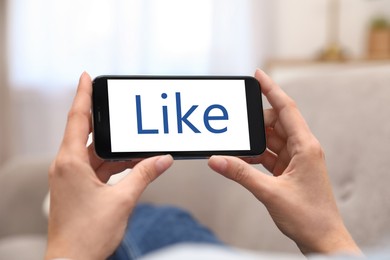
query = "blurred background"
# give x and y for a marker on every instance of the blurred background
(46, 45)
(331, 56)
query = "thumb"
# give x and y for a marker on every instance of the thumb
(241, 172)
(144, 173)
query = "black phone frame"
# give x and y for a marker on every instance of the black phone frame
(101, 120)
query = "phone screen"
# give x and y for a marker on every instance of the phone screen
(183, 116)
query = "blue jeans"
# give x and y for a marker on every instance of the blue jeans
(154, 227)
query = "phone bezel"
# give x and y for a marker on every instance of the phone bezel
(101, 120)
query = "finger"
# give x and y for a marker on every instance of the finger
(273, 163)
(281, 163)
(288, 114)
(252, 159)
(241, 172)
(274, 142)
(143, 174)
(267, 159)
(271, 121)
(270, 117)
(107, 169)
(94, 160)
(274, 94)
(79, 117)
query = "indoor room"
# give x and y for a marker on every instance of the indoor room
(331, 56)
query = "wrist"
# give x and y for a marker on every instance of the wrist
(60, 251)
(71, 251)
(336, 242)
(57, 253)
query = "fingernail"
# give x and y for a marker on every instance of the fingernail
(163, 163)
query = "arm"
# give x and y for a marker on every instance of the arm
(88, 218)
(298, 195)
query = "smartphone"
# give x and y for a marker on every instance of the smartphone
(185, 116)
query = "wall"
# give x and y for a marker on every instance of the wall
(4, 146)
(262, 32)
(239, 43)
(301, 26)
(277, 29)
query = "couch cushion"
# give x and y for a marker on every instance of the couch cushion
(30, 247)
(349, 112)
(23, 188)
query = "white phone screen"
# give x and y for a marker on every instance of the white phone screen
(177, 115)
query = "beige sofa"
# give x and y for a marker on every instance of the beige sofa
(348, 111)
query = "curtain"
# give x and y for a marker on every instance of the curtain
(52, 42)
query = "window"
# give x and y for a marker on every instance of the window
(51, 42)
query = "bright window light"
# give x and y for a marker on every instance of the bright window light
(51, 42)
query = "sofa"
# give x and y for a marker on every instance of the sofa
(348, 111)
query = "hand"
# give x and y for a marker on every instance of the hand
(88, 218)
(298, 196)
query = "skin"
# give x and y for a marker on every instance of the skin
(88, 217)
(298, 195)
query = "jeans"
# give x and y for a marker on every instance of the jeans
(154, 227)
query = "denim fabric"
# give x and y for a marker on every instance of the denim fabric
(154, 227)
